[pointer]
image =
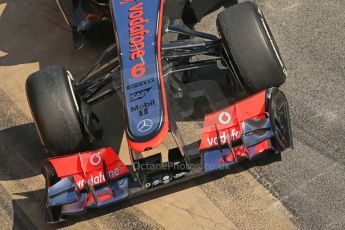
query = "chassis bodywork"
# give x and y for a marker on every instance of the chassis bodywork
(148, 66)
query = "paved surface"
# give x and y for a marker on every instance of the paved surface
(305, 190)
(310, 180)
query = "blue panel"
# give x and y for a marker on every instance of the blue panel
(64, 198)
(76, 207)
(256, 131)
(136, 26)
(256, 138)
(60, 187)
(118, 190)
(256, 124)
(214, 160)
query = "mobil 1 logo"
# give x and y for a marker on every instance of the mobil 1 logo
(143, 108)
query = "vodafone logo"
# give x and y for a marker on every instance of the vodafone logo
(224, 118)
(95, 159)
(223, 137)
(100, 178)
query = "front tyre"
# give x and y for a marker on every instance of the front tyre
(250, 47)
(55, 110)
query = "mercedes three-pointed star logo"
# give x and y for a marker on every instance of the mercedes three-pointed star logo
(145, 125)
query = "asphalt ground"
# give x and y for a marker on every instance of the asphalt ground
(304, 190)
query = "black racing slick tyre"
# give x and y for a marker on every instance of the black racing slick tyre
(250, 47)
(55, 110)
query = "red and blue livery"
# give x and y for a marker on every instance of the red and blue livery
(211, 101)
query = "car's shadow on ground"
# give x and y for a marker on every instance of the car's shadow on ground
(34, 31)
(21, 152)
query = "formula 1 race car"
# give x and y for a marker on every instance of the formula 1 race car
(212, 101)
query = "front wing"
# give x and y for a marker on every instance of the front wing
(245, 130)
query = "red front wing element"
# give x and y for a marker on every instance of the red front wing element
(90, 168)
(229, 121)
(240, 131)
